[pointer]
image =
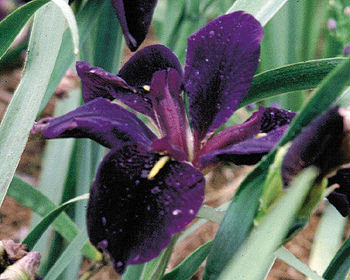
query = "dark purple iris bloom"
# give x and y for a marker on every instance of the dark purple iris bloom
(149, 187)
(325, 144)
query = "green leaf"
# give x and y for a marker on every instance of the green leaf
(266, 238)
(86, 19)
(40, 228)
(14, 22)
(70, 18)
(262, 10)
(340, 264)
(30, 197)
(299, 76)
(239, 218)
(133, 272)
(189, 266)
(286, 256)
(44, 45)
(67, 256)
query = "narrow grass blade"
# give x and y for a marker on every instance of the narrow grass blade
(133, 272)
(68, 14)
(328, 238)
(299, 76)
(262, 10)
(283, 254)
(189, 266)
(67, 256)
(30, 197)
(265, 239)
(44, 45)
(40, 228)
(340, 264)
(14, 22)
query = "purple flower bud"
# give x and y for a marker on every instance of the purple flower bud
(332, 24)
(346, 49)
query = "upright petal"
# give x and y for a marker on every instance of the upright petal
(222, 58)
(139, 69)
(246, 143)
(107, 123)
(135, 17)
(168, 106)
(133, 218)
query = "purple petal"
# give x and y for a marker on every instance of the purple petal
(105, 122)
(319, 144)
(263, 121)
(340, 197)
(163, 145)
(139, 69)
(97, 82)
(135, 18)
(246, 152)
(168, 106)
(222, 58)
(132, 217)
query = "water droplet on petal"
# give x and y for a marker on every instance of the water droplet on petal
(212, 33)
(156, 190)
(191, 211)
(176, 212)
(120, 264)
(148, 207)
(104, 221)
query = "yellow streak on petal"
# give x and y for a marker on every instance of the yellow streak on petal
(262, 134)
(157, 167)
(146, 88)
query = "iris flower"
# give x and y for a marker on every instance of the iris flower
(324, 143)
(150, 186)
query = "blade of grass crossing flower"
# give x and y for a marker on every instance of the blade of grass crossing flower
(32, 198)
(187, 268)
(86, 19)
(67, 256)
(14, 22)
(262, 10)
(239, 218)
(299, 76)
(44, 45)
(340, 264)
(56, 164)
(328, 238)
(40, 228)
(68, 13)
(283, 254)
(264, 240)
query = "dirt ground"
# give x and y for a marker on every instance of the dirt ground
(15, 219)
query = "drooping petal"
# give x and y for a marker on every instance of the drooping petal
(97, 82)
(107, 123)
(321, 143)
(135, 17)
(340, 197)
(246, 152)
(262, 123)
(168, 106)
(164, 145)
(222, 58)
(132, 217)
(139, 69)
